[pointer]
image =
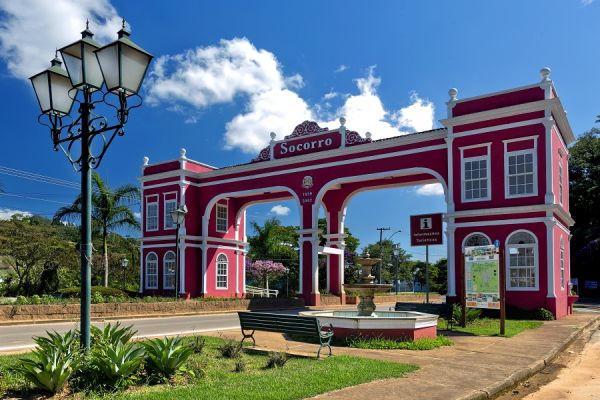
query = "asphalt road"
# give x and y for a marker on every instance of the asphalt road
(20, 337)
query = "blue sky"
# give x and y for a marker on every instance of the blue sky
(229, 72)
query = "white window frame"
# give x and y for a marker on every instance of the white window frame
(217, 275)
(487, 159)
(507, 153)
(560, 181)
(165, 275)
(217, 207)
(562, 263)
(464, 242)
(147, 213)
(536, 263)
(146, 270)
(167, 216)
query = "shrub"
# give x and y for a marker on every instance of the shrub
(276, 360)
(472, 314)
(118, 363)
(166, 356)
(111, 335)
(51, 364)
(231, 348)
(240, 365)
(541, 314)
(104, 291)
(97, 298)
(198, 343)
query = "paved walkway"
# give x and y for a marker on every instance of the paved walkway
(474, 368)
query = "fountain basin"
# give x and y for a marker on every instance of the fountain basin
(409, 325)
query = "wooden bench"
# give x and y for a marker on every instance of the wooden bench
(443, 310)
(290, 324)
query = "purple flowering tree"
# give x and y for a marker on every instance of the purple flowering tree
(265, 269)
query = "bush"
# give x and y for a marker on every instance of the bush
(276, 360)
(165, 357)
(198, 343)
(472, 314)
(111, 335)
(541, 314)
(231, 348)
(240, 365)
(51, 364)
(104, 291)
(118, 362)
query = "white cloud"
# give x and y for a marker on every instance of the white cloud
(430, 189)
(196, 79)
(586, 3)
(7, 213)
(280, 210)
(365, 112)
(341, 68)
(137, 215)
(30, 30)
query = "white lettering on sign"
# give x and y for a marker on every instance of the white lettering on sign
(313, 144)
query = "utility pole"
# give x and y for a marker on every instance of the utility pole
(381, 250)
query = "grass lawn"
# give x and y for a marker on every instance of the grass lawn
(387, 344)
(491, 326)
(215, 377)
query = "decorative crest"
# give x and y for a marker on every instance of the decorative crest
(306, 128)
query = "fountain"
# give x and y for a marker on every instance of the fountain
(366, 289)
(368, 323)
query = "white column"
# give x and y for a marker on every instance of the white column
(450, 232)
(550, 257)
(204, 251)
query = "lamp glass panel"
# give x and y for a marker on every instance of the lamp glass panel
(73, 65)
(60, 87)
(109, 63)
(93, 74)
(40, 85)
(133, 68)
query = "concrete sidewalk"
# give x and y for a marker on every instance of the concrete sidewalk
(475, 367)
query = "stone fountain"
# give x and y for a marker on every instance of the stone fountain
(366, 289)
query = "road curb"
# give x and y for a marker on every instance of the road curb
(521, 375)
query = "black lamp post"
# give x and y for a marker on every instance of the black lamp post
(124, 266)
(178, 216)
(119, 67)
(396, 251)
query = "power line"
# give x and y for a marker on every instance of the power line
(17, 173)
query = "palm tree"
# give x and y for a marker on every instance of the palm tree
(110, 211)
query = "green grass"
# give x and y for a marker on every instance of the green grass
(214, 377)
(491, 326)
(388, 344)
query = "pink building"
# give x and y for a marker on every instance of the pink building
(501, 158)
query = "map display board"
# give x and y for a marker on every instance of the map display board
(482, 277)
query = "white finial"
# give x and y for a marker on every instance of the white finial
(452, 93)
(146, 161)
(182, 152)
(342, 121)
(545, 74)
(273, 135)
(368, 135)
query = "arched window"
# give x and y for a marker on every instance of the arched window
(151, 271)
(562, 263)
(222, 265)
(169, 270)
(476, 239)
(522, 261)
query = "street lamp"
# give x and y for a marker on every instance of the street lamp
(178, 216)
(381, 252)
(120, 68)
(396, 251)
(124, 265)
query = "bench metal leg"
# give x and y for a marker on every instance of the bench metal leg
(251, 336)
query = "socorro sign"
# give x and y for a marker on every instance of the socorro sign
(307, 145)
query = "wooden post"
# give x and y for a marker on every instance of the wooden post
(463, 292)
(502, 293)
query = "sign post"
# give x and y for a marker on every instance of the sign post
(426, 229)
(463, 298)
(502, 294)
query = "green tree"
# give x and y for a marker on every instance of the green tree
(111, 210)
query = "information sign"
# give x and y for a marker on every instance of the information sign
(482, 277)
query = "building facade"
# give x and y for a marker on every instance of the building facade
(501, 158)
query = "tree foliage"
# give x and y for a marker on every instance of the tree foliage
(111, 210)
